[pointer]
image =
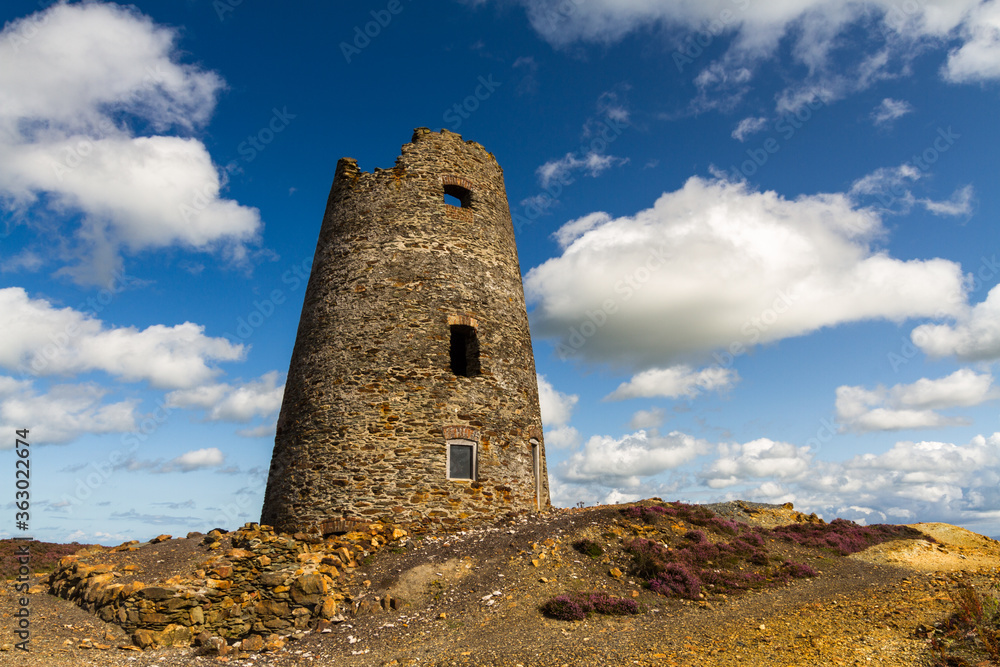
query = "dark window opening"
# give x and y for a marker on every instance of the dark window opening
(464, 350)
(456, 195)
(461, 462)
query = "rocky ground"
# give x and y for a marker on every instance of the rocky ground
(473, 599)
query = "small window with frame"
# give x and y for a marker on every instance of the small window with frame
(461, 459)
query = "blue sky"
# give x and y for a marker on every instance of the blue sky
(759, 241)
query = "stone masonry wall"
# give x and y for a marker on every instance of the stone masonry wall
(264, 588)
(371, 399)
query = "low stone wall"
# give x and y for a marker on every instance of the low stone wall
(267, 586)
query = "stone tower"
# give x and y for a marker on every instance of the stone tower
(411, 394)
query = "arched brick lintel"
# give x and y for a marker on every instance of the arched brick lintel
(467, 320)
(461, 433)
(449, 179)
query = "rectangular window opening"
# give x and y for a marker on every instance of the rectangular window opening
(462, 460)
(464, 350)
(456, 195)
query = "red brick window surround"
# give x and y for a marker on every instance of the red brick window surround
(461, 433)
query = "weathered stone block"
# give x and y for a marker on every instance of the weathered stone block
(267, 608)
(251, 644)
(156, 593)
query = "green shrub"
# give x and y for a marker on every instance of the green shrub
(589, 548)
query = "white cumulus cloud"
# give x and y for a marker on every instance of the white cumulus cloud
(756, 459)
(239, 402)
(978, 58)
(748, 126)
(959, 204)
(197, 459)
(71, 73)
(40, 339)
(592, 163)
(975, 336)
(907, 406)
(646, 419)
(623, 461)
(716, 266)
(557, 409)
(62, 413)
(674, 382)
(891, 187)
(937, 481)
(562, 437)
(841, 47)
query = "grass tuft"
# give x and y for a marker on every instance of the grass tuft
(589, 548)
(971, 635)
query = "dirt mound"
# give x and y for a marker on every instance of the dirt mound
(956, 549)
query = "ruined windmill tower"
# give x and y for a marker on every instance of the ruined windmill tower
(411, 394)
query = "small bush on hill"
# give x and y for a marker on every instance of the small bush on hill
(676, 580)
(647, 514)
(725, 526)
(649, 558)
(799, 570)
(719, 567)
(589, 548)
(695, 536)
(736, 562)
(576, 606)
(971, 635)
(739, 559)
(564, 608)
(611, 605)
(678, 511)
